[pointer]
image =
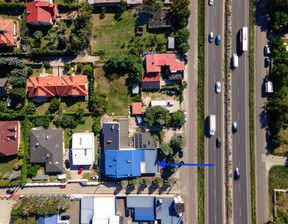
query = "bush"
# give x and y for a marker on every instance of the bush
(158, 182)
(69, 121)
(124, 183)
(96, 127)
(29, 71)
(42, 121)
(30, 108)
(21, 150)
(80, 68)
(54, 105)
(15, 175)
(33, 169)
(46, 64)
(57, 122)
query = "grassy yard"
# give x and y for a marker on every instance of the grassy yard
(6, 164)
(114, 37)
(118, 95)
(278, 179)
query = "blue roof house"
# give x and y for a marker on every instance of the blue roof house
(122, 163)
(52, 219)
(143, 208)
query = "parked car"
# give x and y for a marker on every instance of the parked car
(94, 177)
(185, 58)
(237, 173)
(65, 217)
(95, 165)
(218, 87)
(218, 40)
(267, 61)
(67, 163)
(218, 142)
(80, 170)
(267, 50)
(127, 212)
(185, 115)
(182, 162)
(181, 153)
(170, 104)
(63, 186)
(211, 37)
(10, 191)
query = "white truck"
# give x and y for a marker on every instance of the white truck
(212, 124)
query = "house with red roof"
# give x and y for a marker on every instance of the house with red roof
(41, 13)
(58, 86)
(154, 64)
(9, 137)
(7, 32)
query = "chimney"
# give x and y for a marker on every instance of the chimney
(48, 83)
(47, 137)
(36, 5)
(129, 161)
(37, 144)
(109, 141)
(28, 12)
(8, 139)
(112, 127)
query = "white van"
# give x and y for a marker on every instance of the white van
(235, 60)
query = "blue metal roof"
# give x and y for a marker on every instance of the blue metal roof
(140, 202)
(52, 219)
(123, 163)
(166, 211)
(151, 160)
(144, 214)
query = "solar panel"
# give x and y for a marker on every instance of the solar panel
(140, 140)
(144, 146)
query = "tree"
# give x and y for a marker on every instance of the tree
(147, 182)
(69, 121)
(79, 113)
(29, 72)
(54, 104)
(98, 103)
(172, 159)
(177, 119)
(17, 73)
(177, 143)
(17, 94)
(156, 115)
(103, 12)
(80, 68)
(33, 169)
(135, 182)
(170, 182)
(158, 182)
(181, 38)
(124, 183)
(87, 70)
(165, 149)
(181, 9)
(38, 35)
(96, 127)
(42, 121)
(46, 64)
(30, 108)
(18, 82)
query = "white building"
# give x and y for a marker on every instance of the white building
(83, 151)
(161, 103)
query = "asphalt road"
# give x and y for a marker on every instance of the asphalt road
(188, 175)
(260, 114)
(214, 176)
(240, 114)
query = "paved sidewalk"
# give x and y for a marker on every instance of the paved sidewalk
(271, 160)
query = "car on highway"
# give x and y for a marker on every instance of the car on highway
(267, 61)
(80, 170)
(234, 126)
(211, 2)
(267, 50)
(218, 39)
(62, 186)
(237, 173)
(235, 60)
(181, 153)
(211, 37)
(67, 163)
(218, 142)
(218, 87)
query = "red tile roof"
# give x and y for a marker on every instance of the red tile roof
(9, 137)
(155, 61)
(152, 77)
(7, 32)
(58, 86)
(41, 12)
(136, 107)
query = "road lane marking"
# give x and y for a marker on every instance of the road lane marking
(214, 55)
(238, 116)
(240, 211)
(238, 139)
(214, 101)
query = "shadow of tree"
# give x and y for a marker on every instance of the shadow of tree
(141, 188)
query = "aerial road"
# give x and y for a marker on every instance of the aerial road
(214, 154)
(240, 115)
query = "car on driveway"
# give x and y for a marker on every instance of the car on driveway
(218, 142)
(234, 126)
(181, 153)
(218, 40)
(127, 212)
(67, 163)
(63, 186)
(211, 37)
(218, 87)
(80, 170)
(94, 177)
(185, 58)
(237, 173)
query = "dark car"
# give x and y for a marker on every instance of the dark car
(127, 212)
(65, 217)
(182, 162)
(67, 163)
(267, 61)
(95, 165)
(9, 191)
(237, 173)
(185, 58)
(218, 142)
(181, 153)
(218, 40)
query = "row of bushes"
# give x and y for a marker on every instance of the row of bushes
(25, 124)
(12, 6)
(67, 6)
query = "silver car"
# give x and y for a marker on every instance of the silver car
(211, 2)
(218, 87)
(211, 37)
(237, 173)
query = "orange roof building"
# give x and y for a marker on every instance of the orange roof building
(136, 108)
(7, 27)
(9, 137)
(58, 86)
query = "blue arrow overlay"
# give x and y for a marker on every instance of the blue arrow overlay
(164, 164)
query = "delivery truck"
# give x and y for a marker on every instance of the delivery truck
(212, 124)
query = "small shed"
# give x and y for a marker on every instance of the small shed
(135, 89)
(136, 108)
(171, 43)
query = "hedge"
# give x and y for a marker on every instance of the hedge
(10, 116)
(25, 124)
(67, 6)
(50, 116)
(12, 6)
(86, 114)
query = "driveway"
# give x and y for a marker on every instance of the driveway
(5, 210)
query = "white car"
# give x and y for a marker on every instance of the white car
(185, 114)
(211, 2)
(218, 87)
(211, 37)
(267, 50)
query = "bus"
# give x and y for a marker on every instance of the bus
(244, 39)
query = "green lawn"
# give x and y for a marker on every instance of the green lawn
(37, 71)
(278, 179)
(6, 164)
(118, 95)
(112, 36)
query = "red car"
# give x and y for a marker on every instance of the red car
(80, 170)
(63, 186)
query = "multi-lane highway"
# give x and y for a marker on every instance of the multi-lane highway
(214, 177)
(240, 114)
